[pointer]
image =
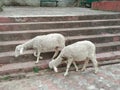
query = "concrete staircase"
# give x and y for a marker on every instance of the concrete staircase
(103, 30)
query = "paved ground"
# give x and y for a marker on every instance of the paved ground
(108, 78)
(49, 11)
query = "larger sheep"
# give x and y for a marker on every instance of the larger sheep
(79, 51)
(44, 43)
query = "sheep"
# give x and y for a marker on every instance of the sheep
(79, 51)
(44, 43)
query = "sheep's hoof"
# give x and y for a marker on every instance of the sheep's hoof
(77, 70)
(96, 71)
(82, 69)
(36, 62)
(65, 74)
(55, 69)
(41, 57)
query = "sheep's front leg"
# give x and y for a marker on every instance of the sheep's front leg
(68, 66)
(35, 54)
(55, 54)
(85, 64)
(38, 57)
(75, 66)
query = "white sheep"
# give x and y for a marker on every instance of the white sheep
(79, 51)
(44, 43)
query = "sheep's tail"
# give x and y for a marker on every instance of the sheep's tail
(61, 41)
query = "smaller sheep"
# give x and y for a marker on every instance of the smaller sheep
(81, 50)
(44, 43)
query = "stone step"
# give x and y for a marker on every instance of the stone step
(8, 57)
(22, 67)
(103, 30)
(28, 66)
(102, 38)
(28, 34)
(57, 24)
(57, 18)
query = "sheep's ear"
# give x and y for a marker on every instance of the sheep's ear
(21, 50)
(55, 69)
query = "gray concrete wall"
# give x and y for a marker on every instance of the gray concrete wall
(62, 3)
(22, 2)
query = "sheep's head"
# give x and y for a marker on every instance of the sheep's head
(18, 50)
(52, 66)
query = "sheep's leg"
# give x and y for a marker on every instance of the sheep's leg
(41, 57)
(85, 64)
(35, 54)
(55, 54)
(75, 66)
(38, 57)
(95, 63)
(68, 66)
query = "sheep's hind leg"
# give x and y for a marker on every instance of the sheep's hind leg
(85, 64)
(75, 66)
(95, 63)
(68, 66)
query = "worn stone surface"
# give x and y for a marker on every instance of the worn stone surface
(50, 11)
(108, 78)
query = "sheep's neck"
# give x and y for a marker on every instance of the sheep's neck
(28, 44)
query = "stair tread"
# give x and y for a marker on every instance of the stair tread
(46, 16)
(11, 53)
(60, 22)
(108, 54)
(43, 64)
(92, 36)
(59, 18)
(61, 29)
(67, 38)
(21, 65)
(107, 44)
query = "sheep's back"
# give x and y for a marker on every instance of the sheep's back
(49, 42)
(79, 50)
